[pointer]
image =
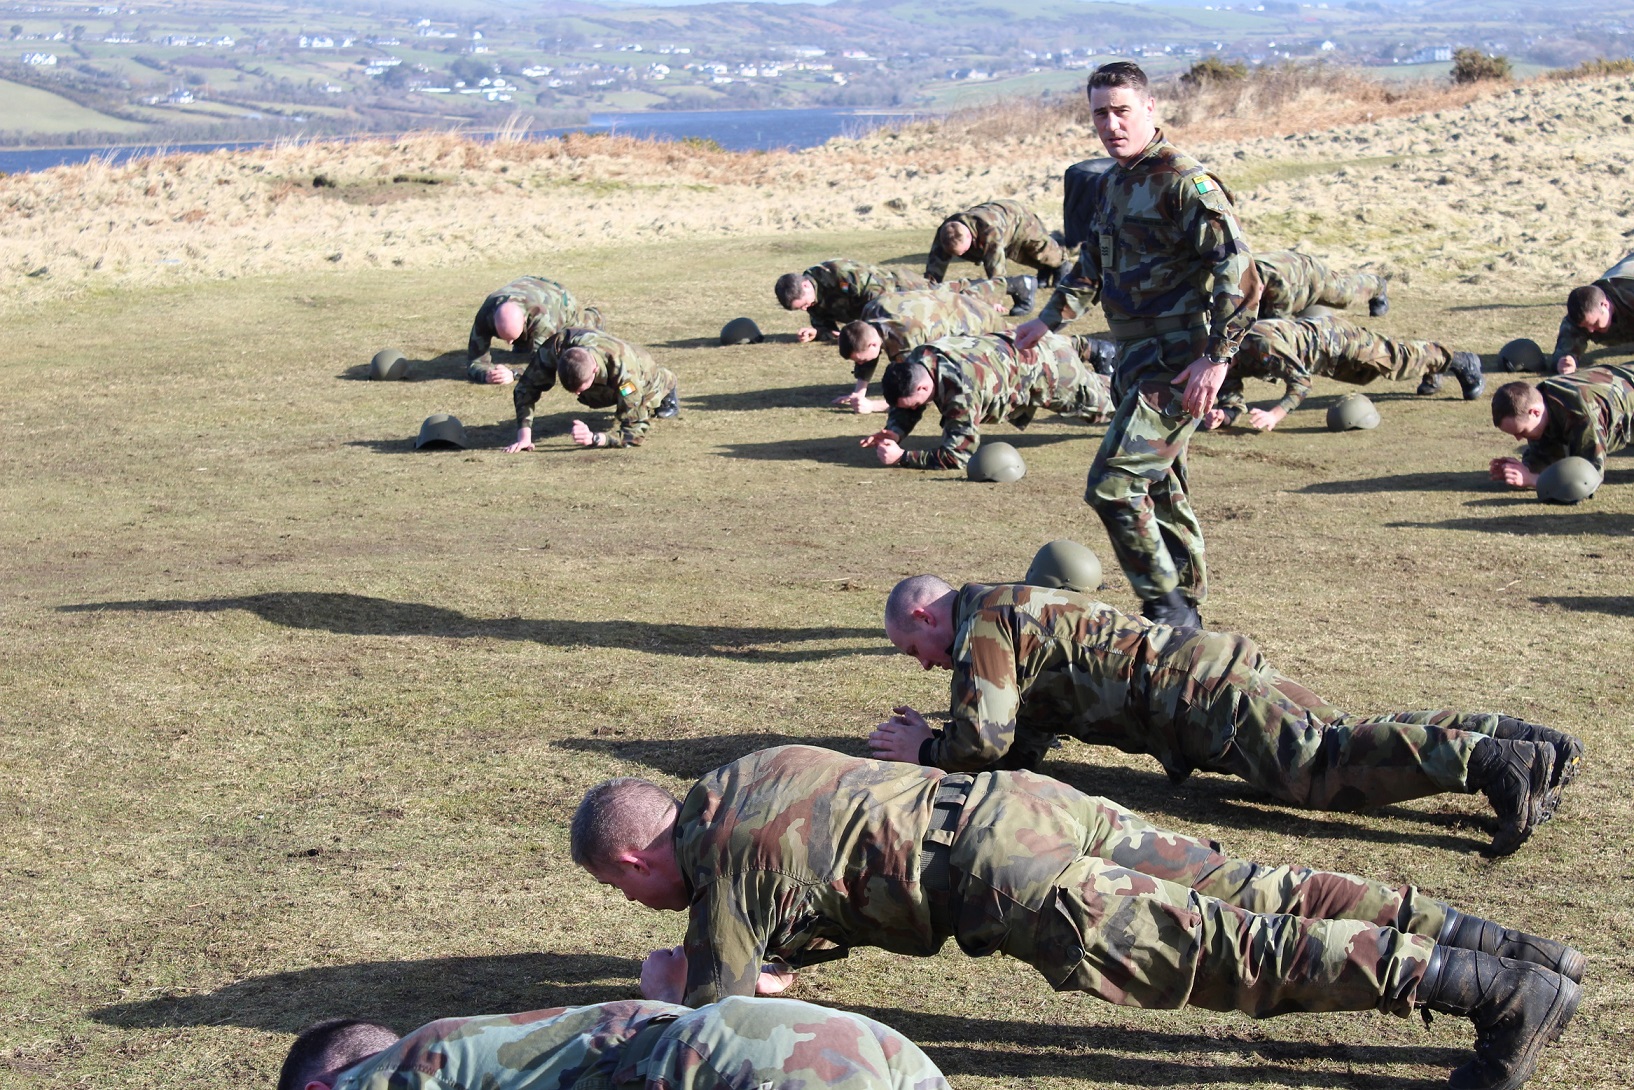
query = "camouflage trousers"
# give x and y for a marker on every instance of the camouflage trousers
(995, 292)
(778, 1043)
(1149, 918)
(1361, 357)
(1037, 248)
(1316, 284)
(1137, 483)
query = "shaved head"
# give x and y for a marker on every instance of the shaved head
(510, 319)
(914, 592)
(954, 237)
(619, 815)
(577, 368)
(332, 1046)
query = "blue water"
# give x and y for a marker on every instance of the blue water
(735, 130)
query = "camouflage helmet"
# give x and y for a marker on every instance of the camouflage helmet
(1351, 412)
(388, 363)
(1521, 354)
(442, 432)
(1568, 481)
(1316, 310)
(996, 462)
(741, 331)
(1064, 564)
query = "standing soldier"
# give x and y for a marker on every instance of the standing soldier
(524, 313)
(1292, 350)
(1030, 662)
(605, 372)
(993, 234)
(1584, 415)
(1292, 281)
(1602, 312)
(981, 380)
(797, 854)
(738, 1043)
(894, 323)
(1177, 283)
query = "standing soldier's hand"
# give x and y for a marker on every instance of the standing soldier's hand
(1202, 379)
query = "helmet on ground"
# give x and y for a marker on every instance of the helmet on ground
(442, 432)
(1568, 481)
(996, 462)
(741, 331)
(1351, 412)
(1316, 310)
(1521, 354)
(1065, 565)
(388, 363)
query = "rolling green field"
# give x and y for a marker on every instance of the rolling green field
(292, 716)
(46, 112)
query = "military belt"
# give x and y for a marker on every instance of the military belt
(1134, 329)
(937, 877)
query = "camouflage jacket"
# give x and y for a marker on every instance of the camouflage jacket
(1031, 661)
(1164, 243)
(1289, 282)
(628, 381)
(1618, 284)
(994, 227)
(981, 380)
(907, 319)
(844, 287)
(742, 1044)
(1286, 350)
(1589, 413)
(549, 305)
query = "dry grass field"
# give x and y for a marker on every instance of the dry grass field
(292, 716)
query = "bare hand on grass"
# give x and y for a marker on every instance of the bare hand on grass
(1513, 472)
(524, 441)
(899, 737)
(806, 335)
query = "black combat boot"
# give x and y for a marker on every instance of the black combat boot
(1517, 1008)
(1429, 384)
(1468, 932)
(1104, 356)
(1514, 776)
(1379, 305)
(1023, 290)
(1173, 610)
(1055, 276)
(1568, 754)
(1466, 368)
(671, 405)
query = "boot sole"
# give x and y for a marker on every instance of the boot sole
(1536, 794)
(1549, 1030)
(1567, 759)
(1571, 966)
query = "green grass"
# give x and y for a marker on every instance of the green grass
(30, 108)
(294, 716)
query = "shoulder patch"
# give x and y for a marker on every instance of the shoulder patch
(1202, 185)
(626, 388)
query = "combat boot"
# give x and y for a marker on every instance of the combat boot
(1568, 754)
(1103, 355)
(1468, 932)
(1173, 610)
(1055, 276)
(1379, 305)
(1429, 384)
(671, 405)
(1517, 1008)
(1023, 290)
(1514, 776)
(1466, 368)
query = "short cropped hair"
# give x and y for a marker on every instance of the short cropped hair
(851, 335)
(1513, 399)
(788, 289)
(577, 367)
(1581, 301)
(901, 377)
(332, 1045)
(909, 595)
(1120, 74)
(616, 814)
(949, 230)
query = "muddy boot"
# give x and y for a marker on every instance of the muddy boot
(1468, 932)
(1466, 368)
(1023, 290)
(1568, 754)
(1517, 1008)
(1379, 305)
(1514, 776)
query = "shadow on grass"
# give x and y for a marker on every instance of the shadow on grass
(449, 365)
(917, 261)
(1566, 523)
(715, 342)
(692, 757)
(1464, 481)
(820, 394)
(403, 994)
(487, 436)
(1208, 798)
(1615, 606)
(847, 449)
(360, 615)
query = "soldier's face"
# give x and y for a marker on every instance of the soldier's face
(806, 298)
(867, 348)
(1125, 120)
(958, 240)
(1597, 319)
(925, 640)
(659, 888)
(1527, 425)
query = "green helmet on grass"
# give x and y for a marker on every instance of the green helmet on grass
(1521, 354)
(1569, 480)
(442, 432)
(1351, 412)
(388, 363)
(996, 462)
(1065, 565)
(741, 331)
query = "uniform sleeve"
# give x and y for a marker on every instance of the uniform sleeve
(993, 258)
(936, 263)
(985, 699)
(1234, 284)
(1295, 376)
(903, 421)
(539, 377)
(482, 338)
(729, 930)
(1570, 341)
(864, 372)
(960, 438)
(633, 413)
(822, 321)
(1074, 296)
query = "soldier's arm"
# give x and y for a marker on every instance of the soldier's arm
(728, 932)
(539, 377)
(936, 263)
(960, 438)
(985, 700)
(1234, 284)
(994, 264)
(903, 421)
(633, 414)
(1079, 292)
(1570, 341)
(478, 361)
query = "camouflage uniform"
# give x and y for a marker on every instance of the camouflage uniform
(907, 319)
(1029, 663)
(1292, 350)
(1293, 281)
(1176, 281)
(980, 380)
(550, 307)
(736, 1044)
(999, 230)
(1618, 284)
(799, 853)
(1589, 413)
(844, 287)
(628, 381)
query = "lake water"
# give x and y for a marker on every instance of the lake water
(736, 130)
